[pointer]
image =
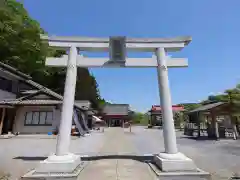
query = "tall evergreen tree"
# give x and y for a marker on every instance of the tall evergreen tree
(22, 48)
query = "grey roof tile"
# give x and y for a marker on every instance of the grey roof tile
(27, 79)
(31, 102)
(207, 107)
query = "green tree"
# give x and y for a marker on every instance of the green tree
(87, 88)
(139, 118)
(232, 98)
(20, 43)
(190, 106)
(22, 48)
(178, 119)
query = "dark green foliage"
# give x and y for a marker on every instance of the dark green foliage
(190, 106)
(231, 96)
(20, 43)
(139, 118)
(22, 48)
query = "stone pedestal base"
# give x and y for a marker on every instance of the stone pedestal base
(174, 162)
(177, 166)
(57, 167)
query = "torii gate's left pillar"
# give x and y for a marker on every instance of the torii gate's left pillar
(64, 136)
(63, 164)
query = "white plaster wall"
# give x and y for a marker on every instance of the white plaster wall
(20, 118)
(6, 95)
(14, 79)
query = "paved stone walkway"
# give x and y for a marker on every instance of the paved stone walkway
(116, 141)
(25, 153)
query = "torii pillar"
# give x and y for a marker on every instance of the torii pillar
(65, 162)
(171, 160)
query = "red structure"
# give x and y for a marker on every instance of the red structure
(174, 108)
(156, 114)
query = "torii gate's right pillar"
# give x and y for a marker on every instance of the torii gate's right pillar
(166, 104)
(171, 159)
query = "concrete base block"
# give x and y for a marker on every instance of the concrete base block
(54, 167)
(174, 162)
(63, 164)
(177, 167)
(201, 175)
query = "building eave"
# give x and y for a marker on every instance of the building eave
(9, 69)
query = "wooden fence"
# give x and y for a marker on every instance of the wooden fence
(192, 129)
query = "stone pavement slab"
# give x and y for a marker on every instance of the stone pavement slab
(131, 169)
(101, 170)
(19, 155)
(220, 158)
(117, 142)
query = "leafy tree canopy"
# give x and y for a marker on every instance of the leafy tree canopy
(139, 118)
(190, 106)
(230, 95)
(22, 48)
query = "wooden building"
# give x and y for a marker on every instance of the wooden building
(116, 114)
(215, 120)
(27, 107)
(155, 113)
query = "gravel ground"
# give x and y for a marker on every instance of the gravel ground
(220, 158)
(19, 155)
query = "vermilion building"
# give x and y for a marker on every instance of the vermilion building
(156, 114)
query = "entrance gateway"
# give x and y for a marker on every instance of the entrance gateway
(63, 161)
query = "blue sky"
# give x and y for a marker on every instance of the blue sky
(213, 54)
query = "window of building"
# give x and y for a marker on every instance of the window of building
(49, 118)
(42, 117)
(38, 118)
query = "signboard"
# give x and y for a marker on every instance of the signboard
(117, 46)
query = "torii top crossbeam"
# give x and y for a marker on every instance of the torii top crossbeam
(131, 44)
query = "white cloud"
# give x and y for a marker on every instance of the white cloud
(212, 93)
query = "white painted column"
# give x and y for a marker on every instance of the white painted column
(166, 105)
(64, 136)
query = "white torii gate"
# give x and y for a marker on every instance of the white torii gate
(171, 159)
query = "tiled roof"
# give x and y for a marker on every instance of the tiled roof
(36, 102)
(29, 91)
(83, 103)
(14, 71)
(207, 107)
(116, 109)
(40, 88)
(31, 102)
(174, 108)
(28, 80)
(44, 89)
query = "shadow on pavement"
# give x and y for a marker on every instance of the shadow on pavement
(115, 156)
(33, 158)
(94, 158)
(202, 138)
